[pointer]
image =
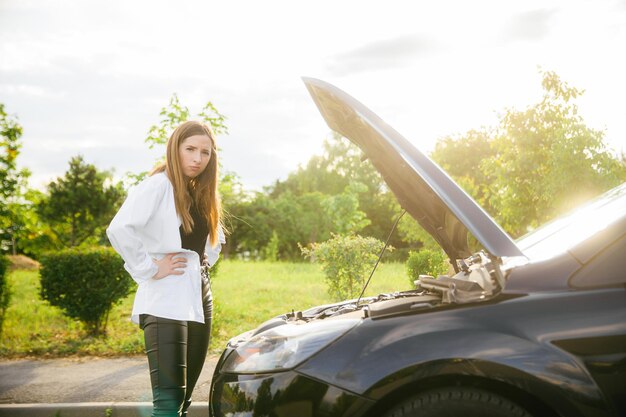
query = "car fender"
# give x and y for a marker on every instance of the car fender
(405, 354)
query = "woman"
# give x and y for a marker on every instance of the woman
(167, 225)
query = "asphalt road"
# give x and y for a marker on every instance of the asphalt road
(85, 379)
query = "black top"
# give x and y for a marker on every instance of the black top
(196, 240)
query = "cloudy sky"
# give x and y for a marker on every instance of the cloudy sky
(90, 77)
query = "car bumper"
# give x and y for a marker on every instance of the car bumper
(282, 394)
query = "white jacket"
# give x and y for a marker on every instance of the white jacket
(146, 227)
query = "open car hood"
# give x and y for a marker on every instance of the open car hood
(440, 206)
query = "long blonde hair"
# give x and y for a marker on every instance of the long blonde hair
(202, 189)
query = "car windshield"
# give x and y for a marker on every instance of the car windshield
(566, 232)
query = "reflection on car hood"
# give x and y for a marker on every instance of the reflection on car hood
(441, 207)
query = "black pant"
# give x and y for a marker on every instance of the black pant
(176, 352)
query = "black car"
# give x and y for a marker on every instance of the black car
(533, 327)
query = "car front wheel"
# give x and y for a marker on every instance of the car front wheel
(453, 402)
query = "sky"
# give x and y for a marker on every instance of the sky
(90, 77)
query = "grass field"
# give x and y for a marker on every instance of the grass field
(245, 294)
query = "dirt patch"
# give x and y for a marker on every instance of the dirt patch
(22, 262)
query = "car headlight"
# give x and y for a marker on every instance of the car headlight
(285, 346)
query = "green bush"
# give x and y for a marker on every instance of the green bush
(85, 284)
(426, 262)
(5, 289)
(346, 262)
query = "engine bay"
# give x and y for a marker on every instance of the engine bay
(479, 278)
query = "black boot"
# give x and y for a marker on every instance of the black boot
(185, 407)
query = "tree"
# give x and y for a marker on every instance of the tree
(332, 176)
(12, 180)
(343, 210)
(295, 218)
(340, 165)
(10, 133)
(175, 113)
(23, 229)
(548, 160)
(81, 204)
(462, 157)
(536, 164)
(30, 235)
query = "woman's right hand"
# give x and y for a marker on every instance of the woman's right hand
(168, 265)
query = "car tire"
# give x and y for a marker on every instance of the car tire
(453, 402)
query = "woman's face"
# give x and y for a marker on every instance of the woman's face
(194, 153)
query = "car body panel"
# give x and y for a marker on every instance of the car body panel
(284, 394)
(441, 207)
(545, 275)
(583, 232)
